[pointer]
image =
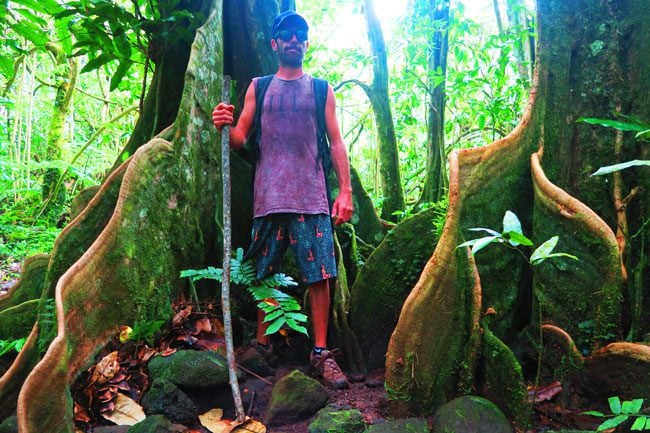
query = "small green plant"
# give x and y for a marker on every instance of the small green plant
(7, 346)
(641, 130)
(279, 308)
(512, 236)
(621, 412)
(141, 332)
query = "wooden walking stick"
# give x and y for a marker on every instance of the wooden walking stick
(227, 235)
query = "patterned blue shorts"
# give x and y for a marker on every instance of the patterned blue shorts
(309, 236)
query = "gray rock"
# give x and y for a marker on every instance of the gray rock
(156, 424)
(294, 397)
(410, 425)
(333, 420)
(251, 359)
(190, 368)
(164, 398)
(9, 425)
(470, 414)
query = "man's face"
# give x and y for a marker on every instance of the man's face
(290, 44)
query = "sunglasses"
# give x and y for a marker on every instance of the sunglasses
(285, 35)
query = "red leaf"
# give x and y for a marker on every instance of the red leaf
(81, 414)
(182, 315)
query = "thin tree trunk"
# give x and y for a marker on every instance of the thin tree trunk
(65, 82)
(435, 184)
(497, 16)
(16, 136)
(28, 139)
(517, 23)
(391, 184)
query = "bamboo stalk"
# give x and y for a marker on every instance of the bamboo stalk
(227, 235)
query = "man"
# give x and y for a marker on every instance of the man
(290, 195)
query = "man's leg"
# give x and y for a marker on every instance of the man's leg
(321, 358)
(319, 298)
(260, 335)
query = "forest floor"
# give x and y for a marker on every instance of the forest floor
(366, 392)
(9, 274)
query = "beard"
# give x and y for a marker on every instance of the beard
(291, 59)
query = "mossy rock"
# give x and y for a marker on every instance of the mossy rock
(386, 280)
(405, 425)
(164, 398)
(501, 378)
(156, 424)
(470, 414)
(294, 397)
(190, 368)
(333, 420)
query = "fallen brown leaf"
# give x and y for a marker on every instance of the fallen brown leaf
(105, 369)
(125, 412)
(202, 325)
(543, 393)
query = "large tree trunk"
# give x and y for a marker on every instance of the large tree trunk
(592, 59)
(391, 184)
(158, 212)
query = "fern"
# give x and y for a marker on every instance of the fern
(279, 308)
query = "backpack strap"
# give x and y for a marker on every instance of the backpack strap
(261, 86)
(321, 89)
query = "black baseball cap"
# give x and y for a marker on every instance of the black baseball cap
(286, 19)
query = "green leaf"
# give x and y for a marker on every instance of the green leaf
(622, 166)
(554, 255)
(517, 239)
(511, 223)
(481, 229)
(542, 252)
(273, 315)
(31, 32)
(632, 406)
(481, 121)
(483, 242)
(616, 124)
(593, 413)
(121, 70)
(300, 329)
(6, 66)
(639, 423)
(275, 326)
(613, 422)
(29, 15)
(97, 62)
(615, 404)
(20, 343)
(298, 317)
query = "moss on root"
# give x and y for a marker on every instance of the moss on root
(30, 284)
(162, 218)
(501, 379)
(386, 279)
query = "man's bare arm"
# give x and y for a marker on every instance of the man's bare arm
(342, 208)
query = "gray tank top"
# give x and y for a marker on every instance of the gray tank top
(289, 176)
